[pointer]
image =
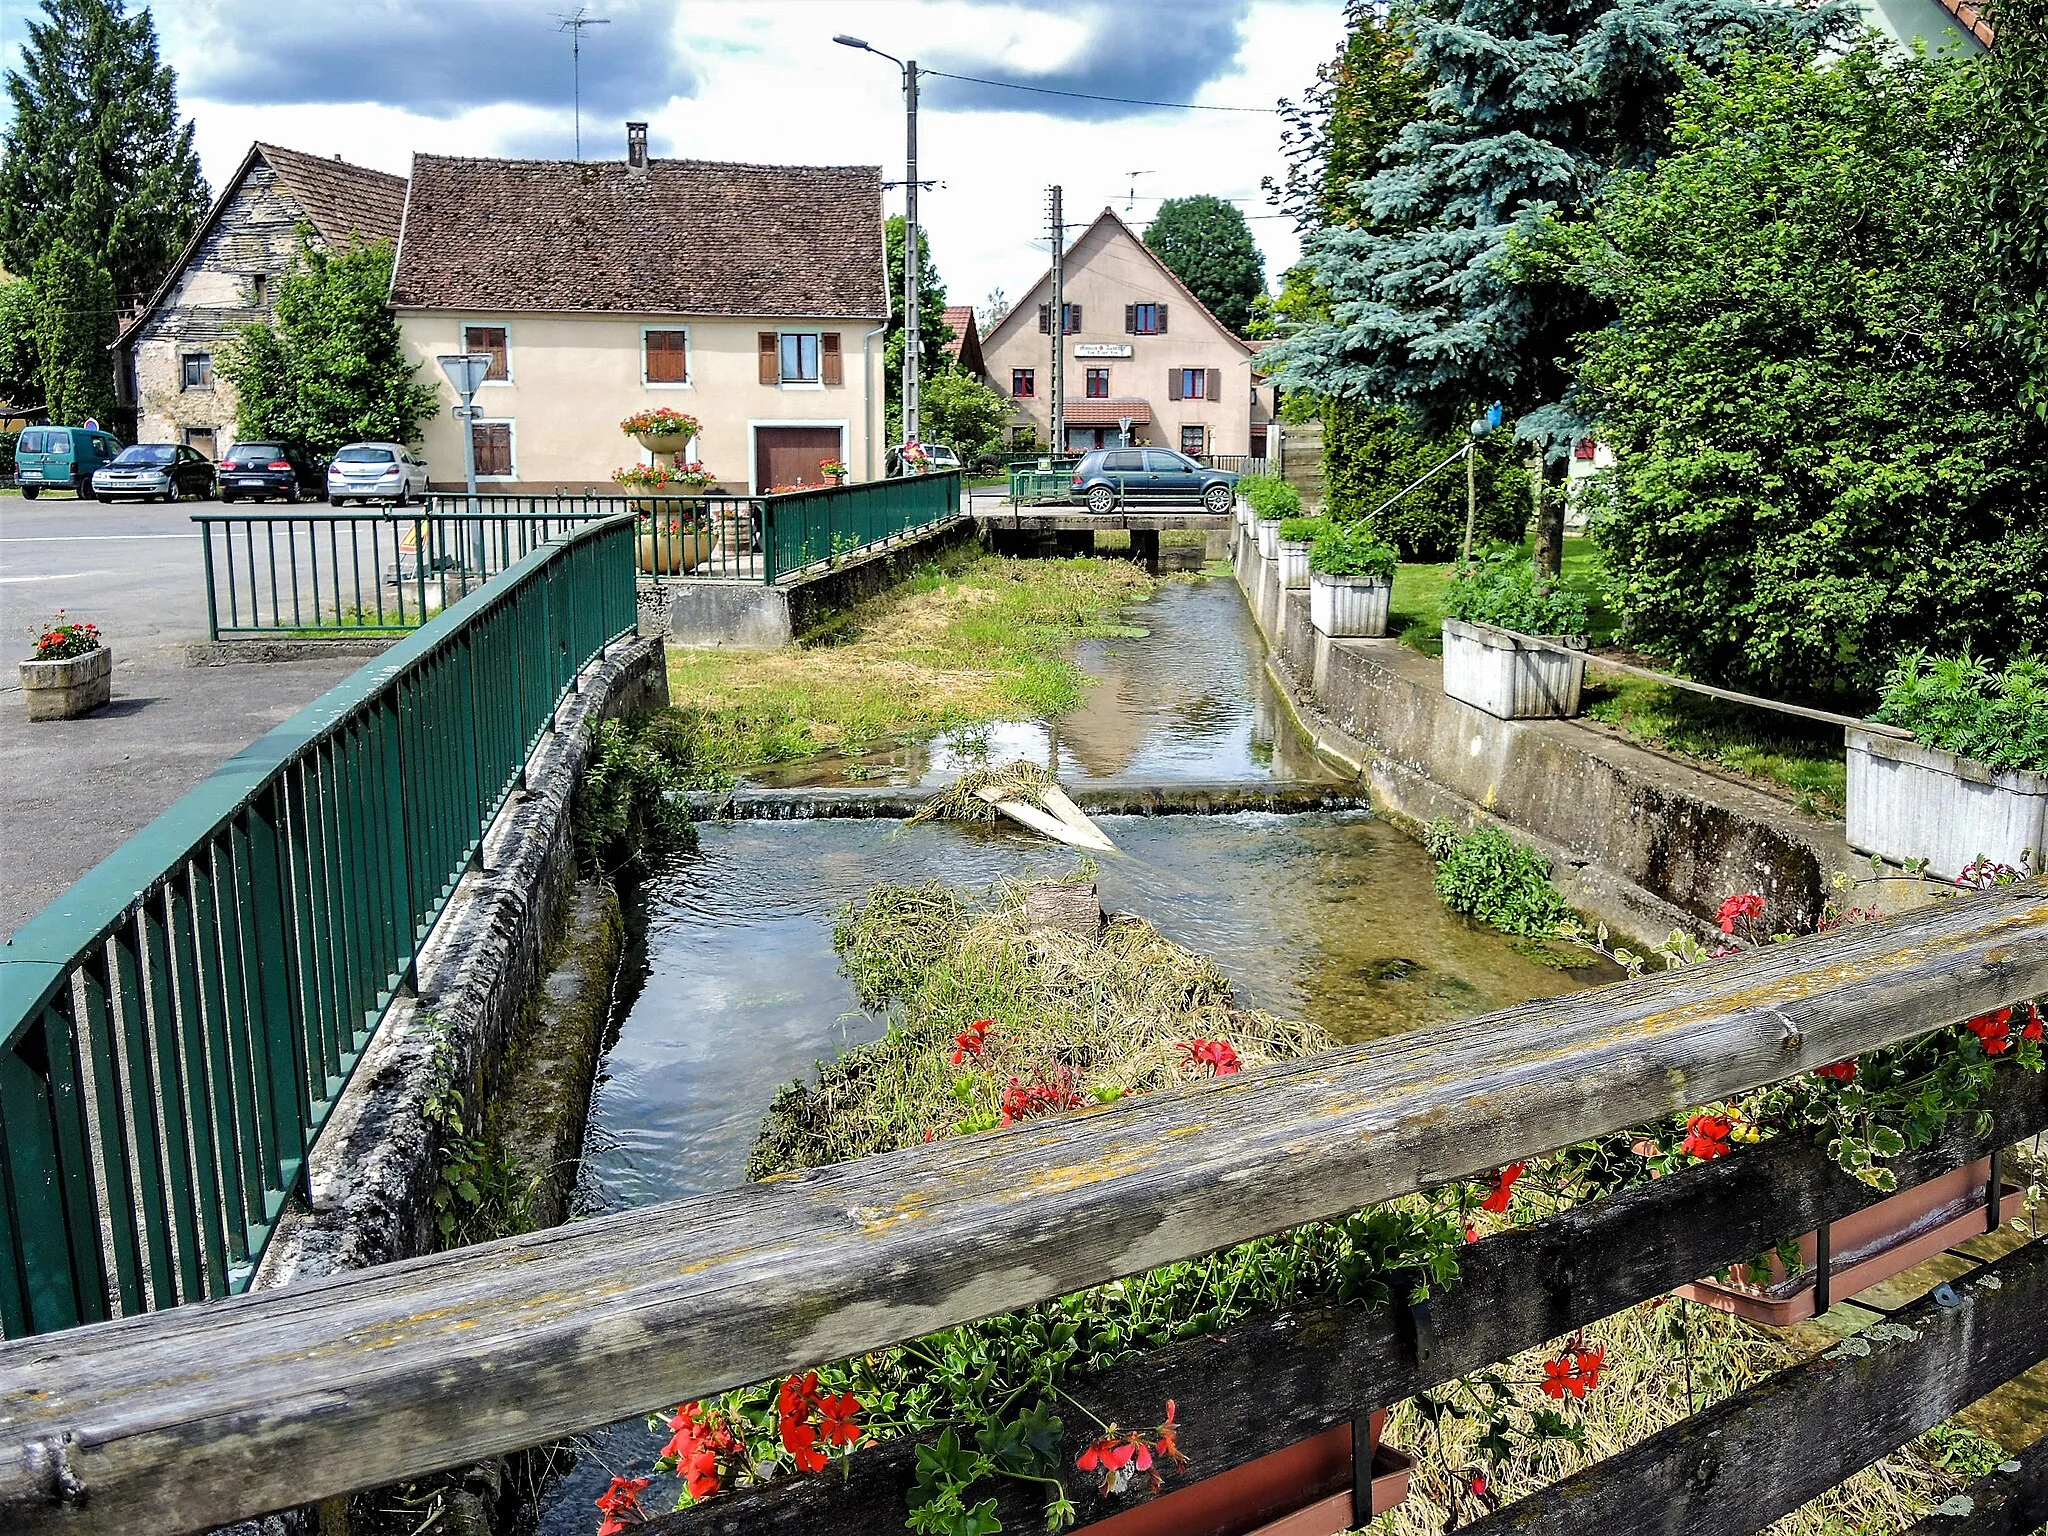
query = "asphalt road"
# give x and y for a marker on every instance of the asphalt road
(73, 790)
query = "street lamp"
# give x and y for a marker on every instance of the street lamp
(466, 372)
(910, 261)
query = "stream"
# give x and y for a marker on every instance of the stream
(732, 987)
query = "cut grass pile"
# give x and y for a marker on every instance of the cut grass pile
(1100, 1020)
(968, 639)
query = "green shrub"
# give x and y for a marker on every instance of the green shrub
(1270, 496)
(1964, 705)
(1352, 549)
(1301, 530)
(1501, 587)
(628, 805)
(1484, 875)
(1370, 453)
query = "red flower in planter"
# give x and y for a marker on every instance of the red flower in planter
(1044, 1096)
(620, 1500)
(1993, 1030)
(1706, 1136)
(1219, 1056)
(1575, 1372)
(1503, 1188)
(972, 1040)
(696, 1445)
(2035, 1026)
(1166, 1440)
(1840, 1071)
(839, 1418)
(1744, 907)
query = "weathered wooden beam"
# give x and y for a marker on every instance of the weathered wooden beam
(193, 1417)
(1755, 1456)
(1268, 1382)
(2009, 1500)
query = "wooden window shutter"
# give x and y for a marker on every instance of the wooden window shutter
(668, 358)
(1215, 383)
(1076, 309)
(771, 357)
(828, 358)
(1130, 319)
(1162, 319)
(1045, 319)
(1173, 383)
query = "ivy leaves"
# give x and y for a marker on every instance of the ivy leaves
(1026, 1446)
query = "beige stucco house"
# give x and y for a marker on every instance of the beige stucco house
(750, 297)
(226, 278)
(1138, 346)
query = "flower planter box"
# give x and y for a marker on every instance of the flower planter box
(1493, 670)
(1349, 607)
(1912, 801)
(663, 442)
(1876, 1243)
(1269, 537)
(1303, 1489)
(63, 690)
(670, 554)
(1294, 564)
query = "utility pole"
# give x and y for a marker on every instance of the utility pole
(910, 257)
(574, 26)
(1059, 320)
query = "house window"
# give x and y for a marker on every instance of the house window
(491, 339)
(1024, 382)
(493, 440)
(1145, 319)
(259, 288)
(665, 357)
(1194, 384)
(201, 440)
(197, 370)
(1070, 319)
(1191, 440)
(1098, 383)
(799, 357)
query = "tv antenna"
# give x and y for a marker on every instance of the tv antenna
(1131, 197)
(574, 26)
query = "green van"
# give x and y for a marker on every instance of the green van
(61, 459)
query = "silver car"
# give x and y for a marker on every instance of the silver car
(375, 472)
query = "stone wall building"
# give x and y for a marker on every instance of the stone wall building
(227, 277)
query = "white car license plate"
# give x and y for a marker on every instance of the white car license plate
(249, 482)
(31, 474)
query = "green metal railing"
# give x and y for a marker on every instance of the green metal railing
(176, 1027)
(802, 529)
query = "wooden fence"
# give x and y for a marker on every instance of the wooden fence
(188, 1419)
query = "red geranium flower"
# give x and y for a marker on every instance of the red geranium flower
(2035, 1026)
(1840, 1071)
(1503, 1187)
(839, 1415)
(1219, 1056)
(1737, 909)
(972, 1040)
(1993, 1030)
(1706, 1136)
(621, 1499)
(1576, 1371)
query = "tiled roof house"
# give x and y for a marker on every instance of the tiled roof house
(750, 297)
(226, 277)
(965, 347)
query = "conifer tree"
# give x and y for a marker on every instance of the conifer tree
(74, 300)
(95, 154)
(1206, 243)
(1533, 106)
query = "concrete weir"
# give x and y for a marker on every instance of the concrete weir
(1637, 840)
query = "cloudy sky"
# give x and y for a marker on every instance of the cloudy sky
(375, 80)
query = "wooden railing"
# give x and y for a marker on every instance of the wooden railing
(189, 1419)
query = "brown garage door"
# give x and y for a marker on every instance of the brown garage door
(785, 455)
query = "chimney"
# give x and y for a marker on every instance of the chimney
(636, 146)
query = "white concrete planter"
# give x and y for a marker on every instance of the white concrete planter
(1293, 564)
(1244, 513)
(1349, 607)
(1912, 801)
(62, 690)
(1491, 669)
(1269, 537)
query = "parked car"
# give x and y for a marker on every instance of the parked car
(1108, 476)
(375, 472)
(259, 471)
(60, 459)
(941, 456)
(149, 471)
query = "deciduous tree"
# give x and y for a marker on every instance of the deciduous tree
(932, 331)
(1206, 243)
(964, 412)
(2013, 188)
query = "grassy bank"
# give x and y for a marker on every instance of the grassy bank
(1417, 615)
(969, 639)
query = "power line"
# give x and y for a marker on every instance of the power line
(1123, 101)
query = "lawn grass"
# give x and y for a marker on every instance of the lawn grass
(971, 638)
(1417, 615)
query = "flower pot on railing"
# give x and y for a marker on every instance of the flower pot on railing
(1876, 1243)
(671, 552)
(1908, 800)
(1494, 670)
(1304, 1489)
(68, 687)
(1269, 537)
(1293, 563)
(1349, 607)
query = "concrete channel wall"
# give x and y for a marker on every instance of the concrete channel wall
(1637, 840)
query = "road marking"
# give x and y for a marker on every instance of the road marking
(57, 576)
(92, 538)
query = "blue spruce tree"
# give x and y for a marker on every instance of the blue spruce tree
(1533, 106)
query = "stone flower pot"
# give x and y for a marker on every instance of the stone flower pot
(1349, 607)
(63, 690)
(1908, 800)
(1493, 670)
(1876, 1243)
(663, 442)
(1293, 564)
(1269, 537)
(670, 554)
